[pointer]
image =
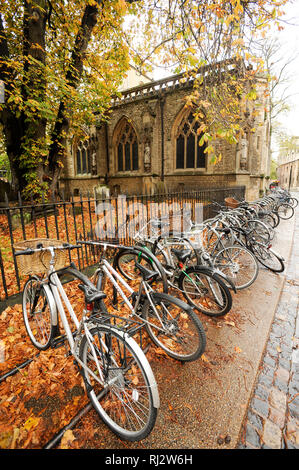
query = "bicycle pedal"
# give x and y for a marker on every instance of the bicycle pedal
(58, 341)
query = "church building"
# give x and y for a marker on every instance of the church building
(150, 143)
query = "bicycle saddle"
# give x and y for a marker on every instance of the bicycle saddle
(181, 255)
(224, 230)
(91, 294)
(147, 274)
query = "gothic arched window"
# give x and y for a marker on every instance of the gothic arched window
(127, 147)
(188, 153)
(83, 158)
(86, 156)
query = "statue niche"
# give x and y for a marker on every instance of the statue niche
(147, 159)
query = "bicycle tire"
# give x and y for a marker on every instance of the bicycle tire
(293, 201)
(269, 220)
(126, 258)
(268, 258)
(207, 293)
(182, 337)
(128, 399)
(285, 211)
(258, 230)
(239, 264)
(39, 313)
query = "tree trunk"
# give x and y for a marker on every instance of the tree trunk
(12, 128)
(62, 125)
(25, 132)
(22, 132)
(34, 82)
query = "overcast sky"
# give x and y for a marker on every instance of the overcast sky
(289, 40)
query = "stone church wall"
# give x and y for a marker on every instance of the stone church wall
(154, 118)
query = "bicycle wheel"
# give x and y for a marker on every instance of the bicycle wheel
(268, 258)
(39, 313)
(259, 230)
(285, 211)
(125, 262)
(293, 201)
(126, 259)
(119, 382)
(205, 290)
(173, 326)
(269, 220)
(238, 264)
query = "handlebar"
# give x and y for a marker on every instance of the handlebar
(98, 243)
(40, 247)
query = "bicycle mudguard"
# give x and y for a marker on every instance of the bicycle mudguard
(277, 255)
(212, 272)
(162, 296)
(147, 254)
(226, 279)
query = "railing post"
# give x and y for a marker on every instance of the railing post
(21, 215)
(45, 215)
(55, 206)
(75, 227)
(12, 240)
(3, 276)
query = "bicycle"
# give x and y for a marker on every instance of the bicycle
(235, 265)
(203, 287)
(170, 323)
(263, 252)
(117, 375)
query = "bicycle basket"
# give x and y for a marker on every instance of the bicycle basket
(38, 263)
(231, 202)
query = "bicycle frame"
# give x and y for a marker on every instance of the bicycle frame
(59, 296)
(184, 240)
(106, 269)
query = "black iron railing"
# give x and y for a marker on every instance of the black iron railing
(93, 217)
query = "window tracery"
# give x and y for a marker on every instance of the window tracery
(127, 148)
(188, 153)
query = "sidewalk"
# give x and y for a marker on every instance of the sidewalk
(205, 403)
(273, 416)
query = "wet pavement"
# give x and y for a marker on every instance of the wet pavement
(272, 421)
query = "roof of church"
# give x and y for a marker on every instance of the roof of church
(179, 81)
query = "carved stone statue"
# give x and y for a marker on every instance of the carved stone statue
(243, 149)
(147, 157)
(94, 163)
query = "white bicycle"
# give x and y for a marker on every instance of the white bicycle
(118, 378)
